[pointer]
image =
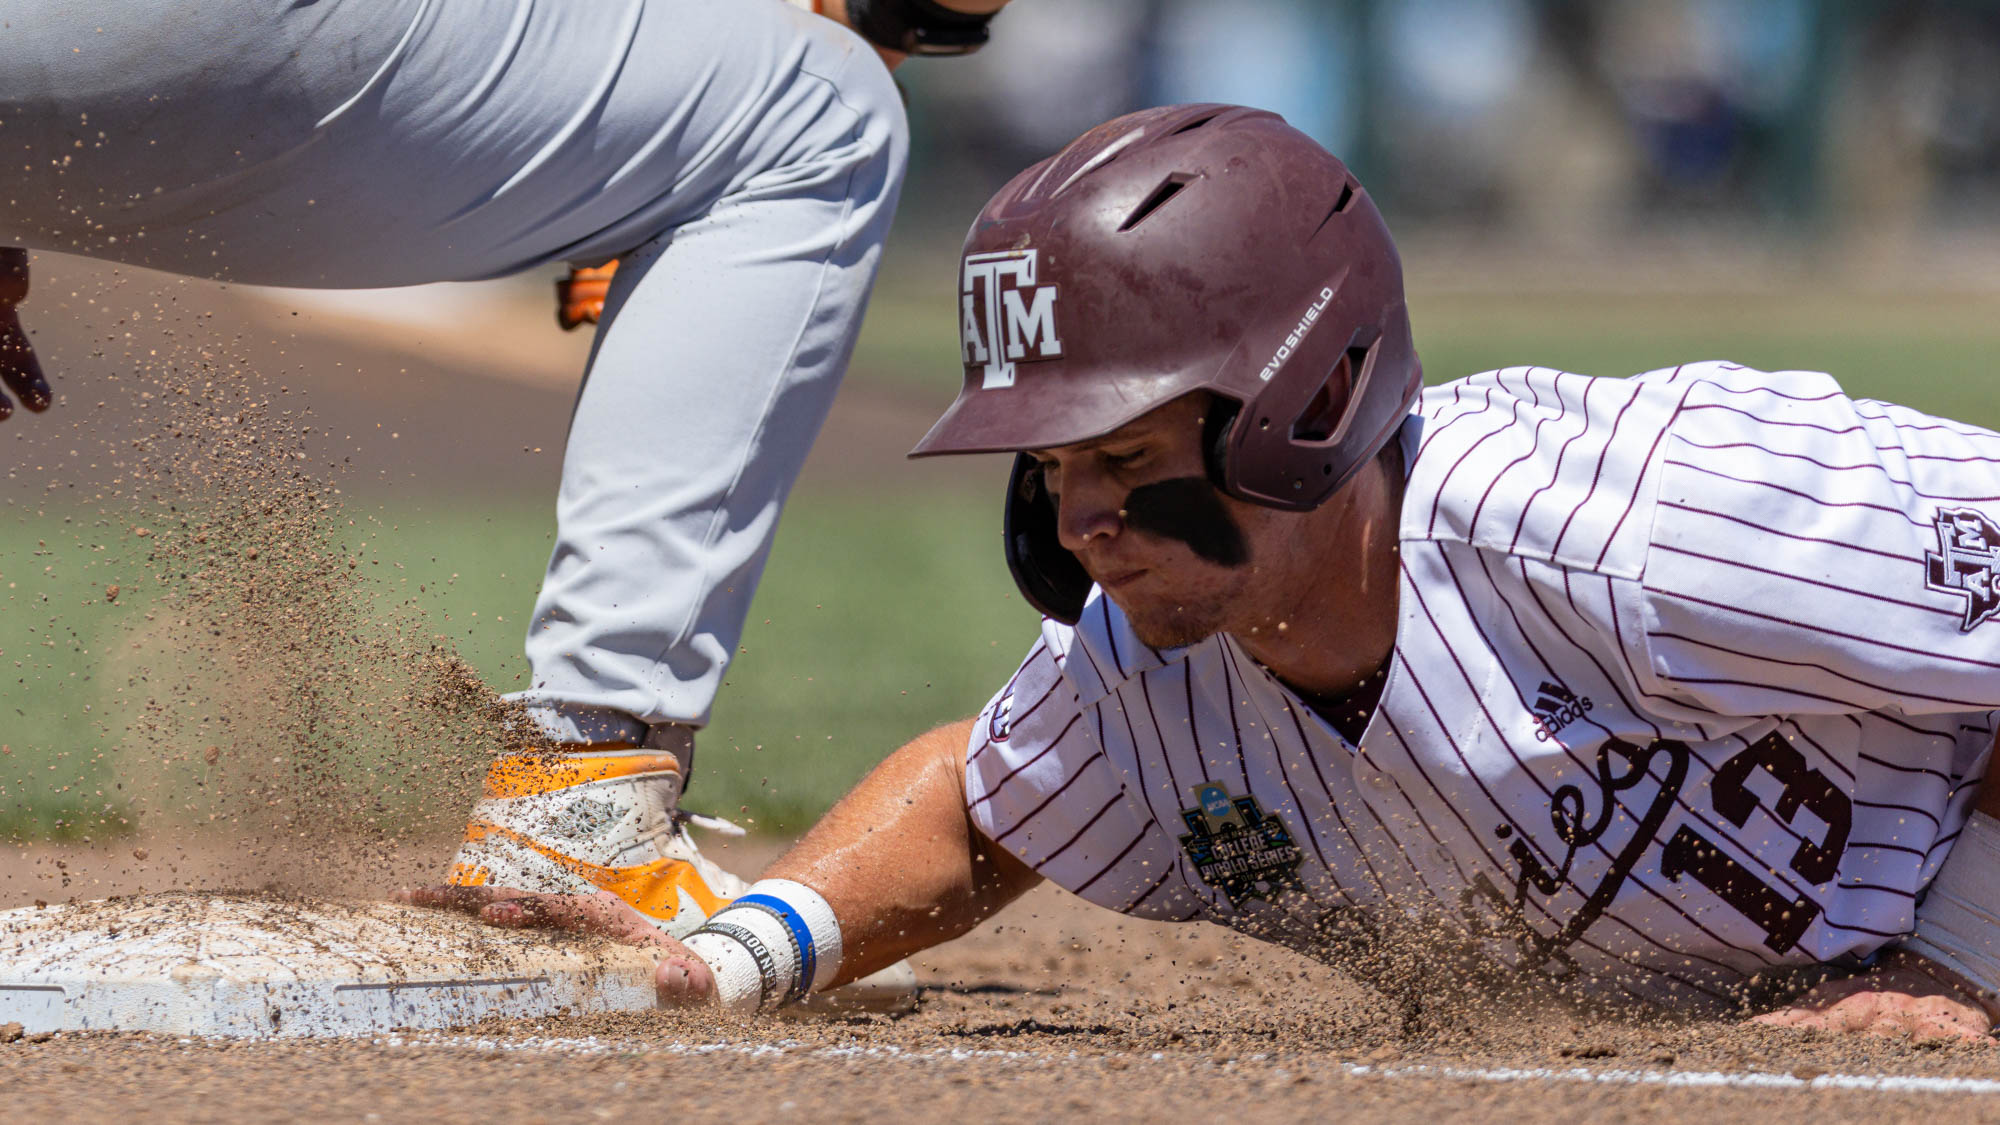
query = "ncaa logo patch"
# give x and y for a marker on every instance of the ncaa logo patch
(1238, 848)
(1004, 317)
(1966, 563)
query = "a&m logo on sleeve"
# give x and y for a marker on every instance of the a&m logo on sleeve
(1001, 723)
(1004, 317)
(1967, 563)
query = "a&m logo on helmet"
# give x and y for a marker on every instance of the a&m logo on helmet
(1005, 318)
(1967, 563)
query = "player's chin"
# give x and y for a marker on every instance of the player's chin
(1167, 624)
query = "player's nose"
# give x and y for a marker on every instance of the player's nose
(1088, 510)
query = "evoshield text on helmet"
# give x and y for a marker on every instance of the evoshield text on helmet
(1186, 248)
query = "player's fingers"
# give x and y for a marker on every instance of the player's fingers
(560, 912)
(1839, 1019)
(1819, 1006)
(603, 913)
(1874, 1013)
(1937, 1018)
(1897, 1015)
(1837, 1006)
(469, 900)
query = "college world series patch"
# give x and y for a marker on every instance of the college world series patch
(1239, 849)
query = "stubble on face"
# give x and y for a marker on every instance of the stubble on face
(1187, 622)
(1204, 598)
(1246, 599)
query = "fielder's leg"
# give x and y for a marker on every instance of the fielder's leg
(750, 150)
(722, 344)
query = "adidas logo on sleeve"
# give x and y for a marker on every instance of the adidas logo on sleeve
(1556, 708)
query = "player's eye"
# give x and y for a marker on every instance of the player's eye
(1126, 459)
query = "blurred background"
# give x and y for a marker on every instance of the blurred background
(1606, 186)
(1802, 127)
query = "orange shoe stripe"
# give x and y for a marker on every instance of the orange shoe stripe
(466, 875)
(525, 775)
(650, 887)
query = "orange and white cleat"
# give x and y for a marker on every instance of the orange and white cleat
(581, 821)
(591, 820)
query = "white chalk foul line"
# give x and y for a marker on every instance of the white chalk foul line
(1742, 1080)
(1686, 1079)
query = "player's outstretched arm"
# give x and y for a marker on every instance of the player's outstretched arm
(899, 860)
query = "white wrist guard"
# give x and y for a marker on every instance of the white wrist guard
(771, 946)
(1958, 922)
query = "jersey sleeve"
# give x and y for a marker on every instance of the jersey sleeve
(1037, 782)
(1815, 553)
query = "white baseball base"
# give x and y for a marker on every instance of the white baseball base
(201, 964)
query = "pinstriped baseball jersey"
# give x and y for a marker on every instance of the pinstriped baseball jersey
(1693, 677)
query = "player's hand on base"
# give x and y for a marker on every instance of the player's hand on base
(1904, 994)
(681, 979)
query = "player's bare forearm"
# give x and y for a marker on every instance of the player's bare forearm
(899, 860)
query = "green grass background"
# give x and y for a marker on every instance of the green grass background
(880, 615)
(875, 622)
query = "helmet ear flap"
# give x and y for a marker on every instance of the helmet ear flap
(1051, 578)
(1215, 431)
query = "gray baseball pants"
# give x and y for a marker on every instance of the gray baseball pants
(742, 158)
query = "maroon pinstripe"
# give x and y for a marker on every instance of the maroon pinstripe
(1782, 518)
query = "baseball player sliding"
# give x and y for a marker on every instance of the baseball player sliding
(1654, 686)
(741, 157)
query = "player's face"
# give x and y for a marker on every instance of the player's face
(1137, 509)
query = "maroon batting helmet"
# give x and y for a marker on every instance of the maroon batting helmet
(1186, 248)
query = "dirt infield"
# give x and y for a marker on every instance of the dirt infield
(1050, 1013)
(1053, 1010)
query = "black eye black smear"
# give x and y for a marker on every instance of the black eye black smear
(1188, 509)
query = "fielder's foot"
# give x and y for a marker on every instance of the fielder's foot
(591, 820)
(609, 819)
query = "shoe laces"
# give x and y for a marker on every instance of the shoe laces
(715, 824)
